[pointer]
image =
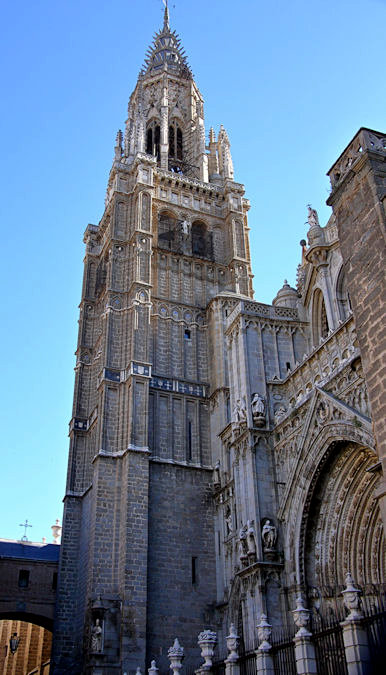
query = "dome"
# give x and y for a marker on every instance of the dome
(286, 296)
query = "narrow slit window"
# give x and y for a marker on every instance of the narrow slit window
(179, 143)
(187, 334)
(194, 570)
(149, 142)
(189, 440)
(171, 142)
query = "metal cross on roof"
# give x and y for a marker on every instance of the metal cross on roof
(25, 525)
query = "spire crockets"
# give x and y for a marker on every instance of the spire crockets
(166, 53)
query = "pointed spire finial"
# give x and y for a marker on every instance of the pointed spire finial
(166, 15)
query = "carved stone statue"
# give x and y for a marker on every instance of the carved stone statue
(228, 521)
(251, 542)
(258, 409)
(96, 637)
(313, 219)
(280, 412)
(185, 227)
(243, 546)
(216, 474)
(268, 535)
(239, 412)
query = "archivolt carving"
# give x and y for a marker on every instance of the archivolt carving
(306, 474)
(341, 528)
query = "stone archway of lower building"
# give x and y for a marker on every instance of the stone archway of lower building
(343, 529)
(33, 636)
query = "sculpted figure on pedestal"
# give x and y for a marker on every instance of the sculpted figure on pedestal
(268, 535)
(251, 542)
(312, 218)
(239, 412)
(216, 474)
(96, 637)
(243, 545)
(258, 409)
(228, 520)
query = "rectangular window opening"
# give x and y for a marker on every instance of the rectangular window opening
(23, 578)
(54, 581)
(187, 334)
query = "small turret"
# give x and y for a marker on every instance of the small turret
(286, 296)
(214, 175)
(224, 154)
(118, 146)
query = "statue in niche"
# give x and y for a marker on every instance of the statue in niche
(216, 474)
(96, 637)
(258, 409)
(251, 542)
(268, 535)
(243, 546)
(239, 412)
(228, 521)
(185, 227)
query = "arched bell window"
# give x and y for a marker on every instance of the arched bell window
(202, 241)
(167, 229)
(175, 147)
(153, 137)
(198, 238)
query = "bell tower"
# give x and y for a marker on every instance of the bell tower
(138, 545)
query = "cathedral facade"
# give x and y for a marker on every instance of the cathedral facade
(225, 454)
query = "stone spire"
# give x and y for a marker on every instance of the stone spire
(166, 17)
(166, 53)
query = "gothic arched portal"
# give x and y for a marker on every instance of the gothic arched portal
(342, 527)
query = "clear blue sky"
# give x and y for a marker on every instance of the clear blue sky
(291, 82)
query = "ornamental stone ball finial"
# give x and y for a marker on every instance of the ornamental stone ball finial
(232, 641)
(153, 670)
(301, 617)
(351, 599)
(207, 641)
(264, 632)
(175, 656)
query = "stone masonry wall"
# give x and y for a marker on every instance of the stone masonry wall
(181, 560)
